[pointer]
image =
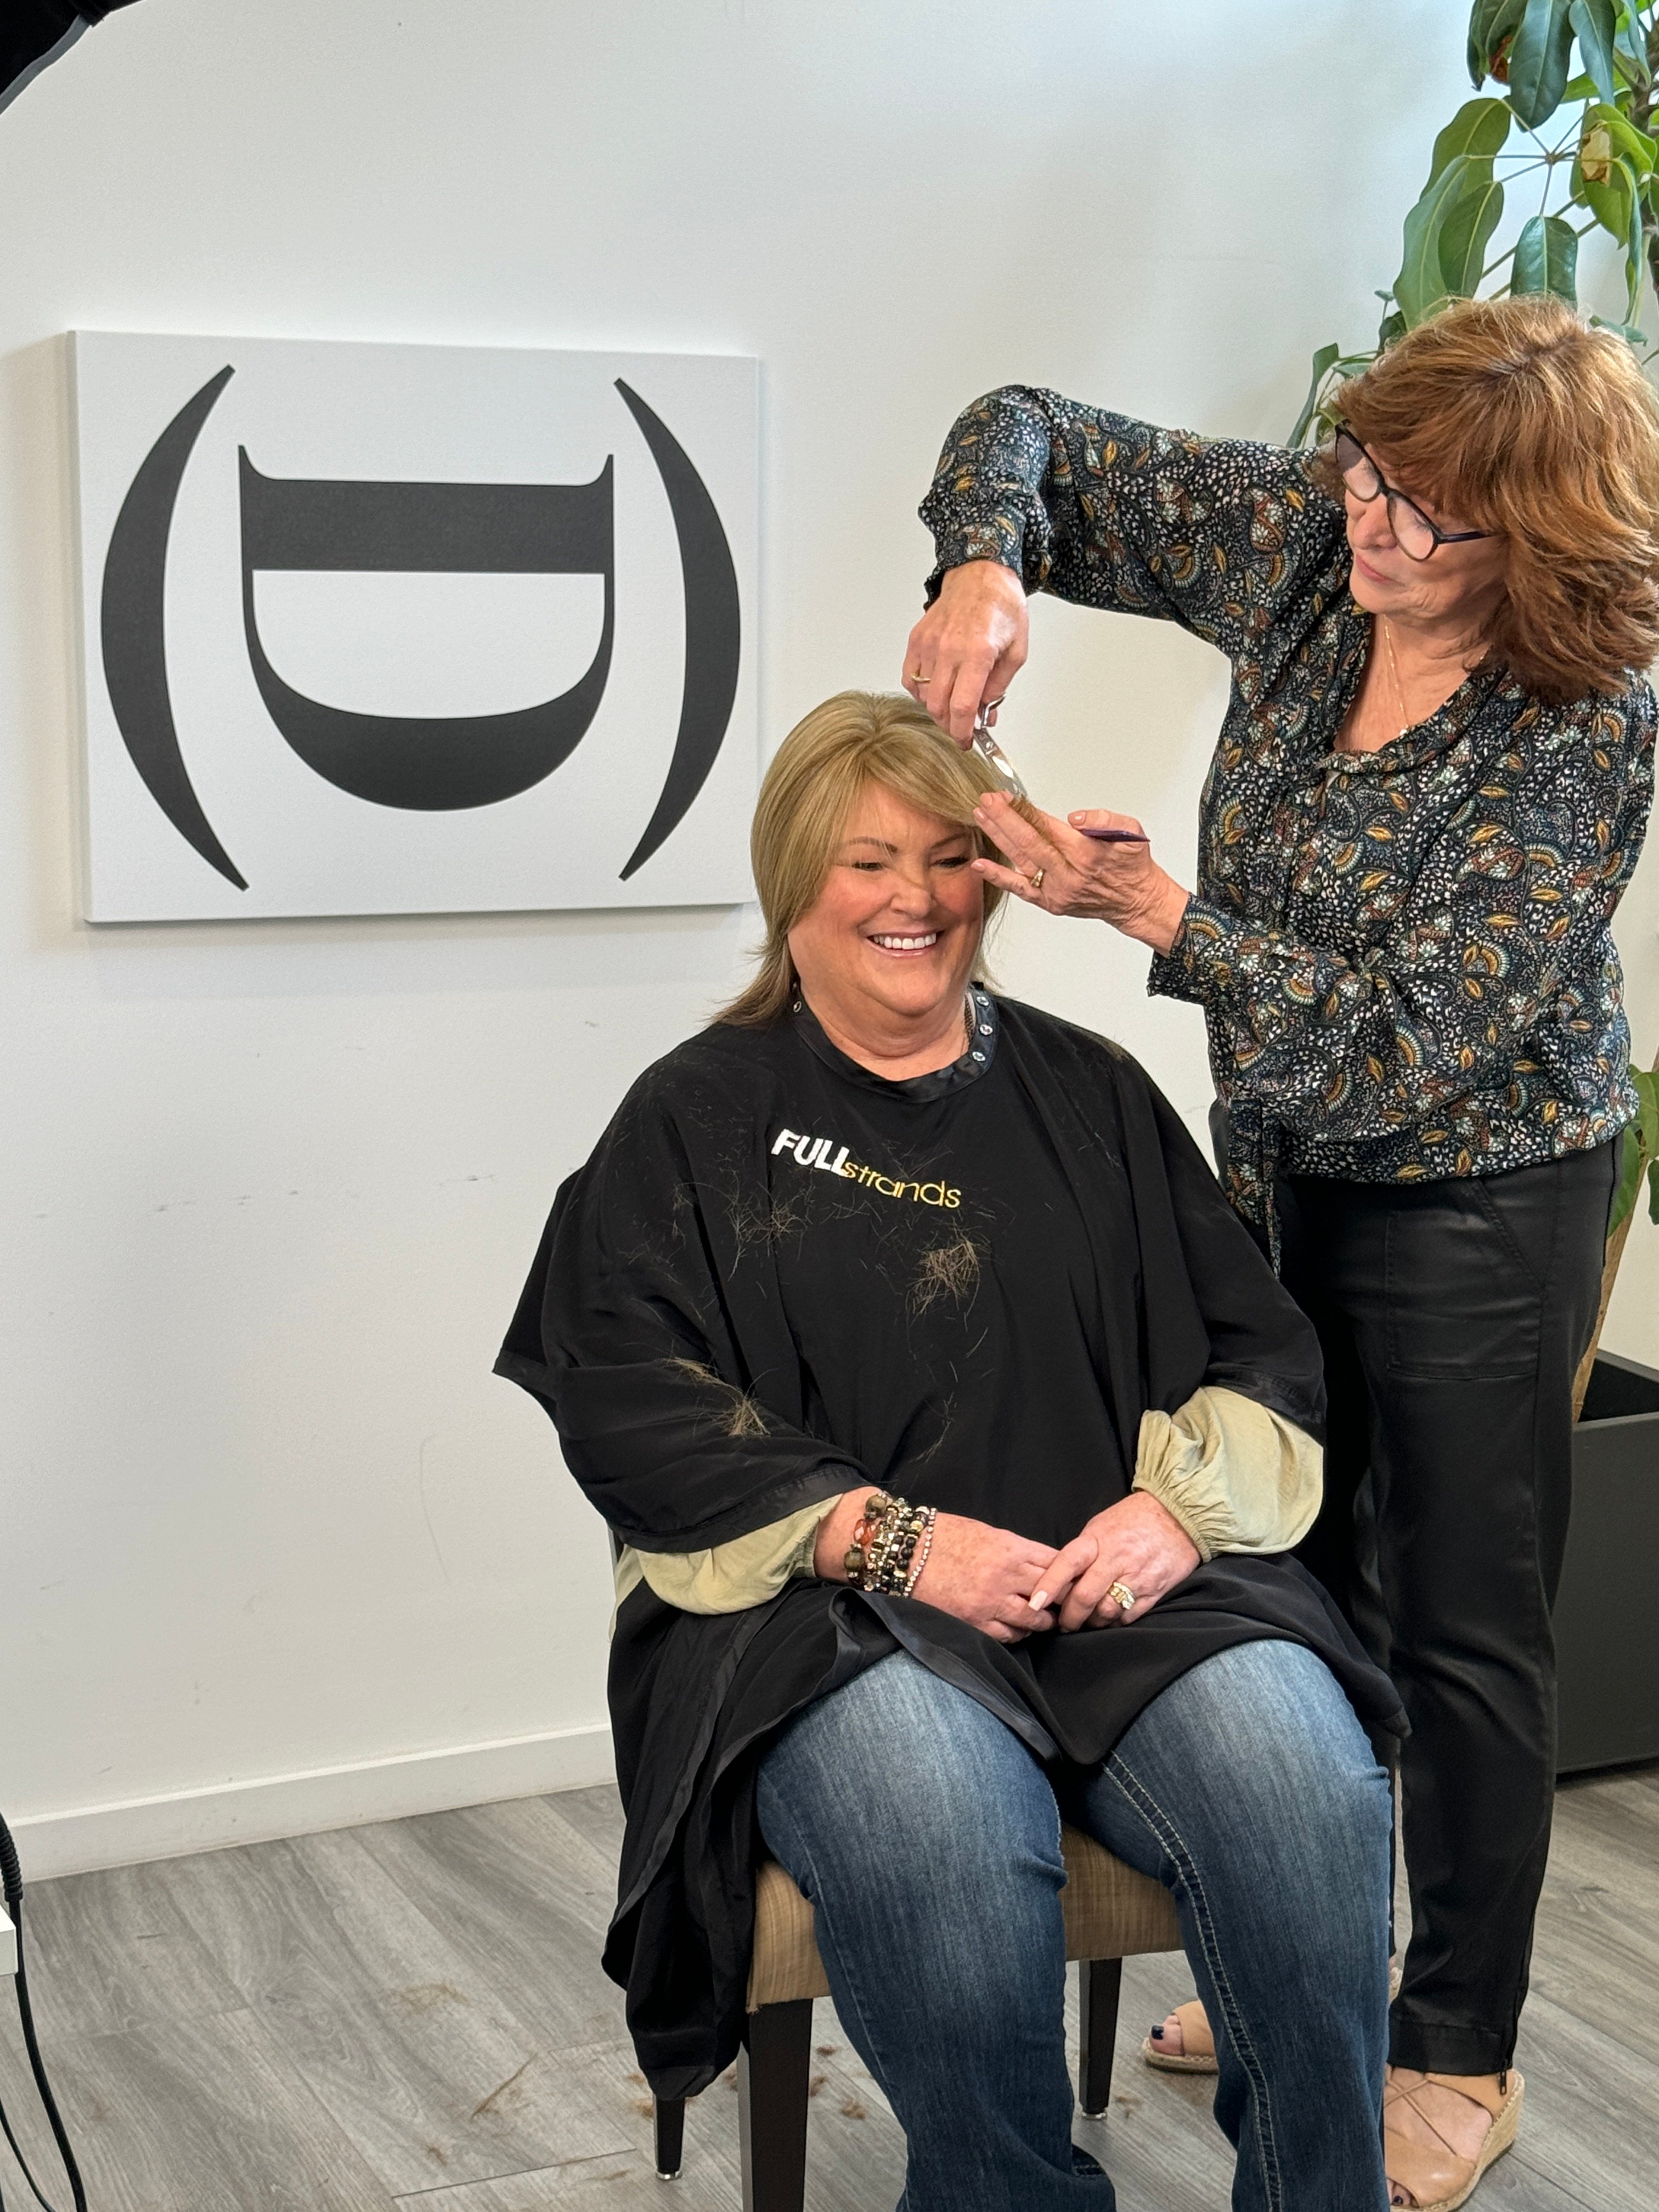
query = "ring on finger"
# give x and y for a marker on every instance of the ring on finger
(1036, 880)
(1121, 1595)
(917, 676)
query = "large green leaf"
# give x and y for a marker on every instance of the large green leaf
(1628, 332)
(1632, 44)
(1630, 1176)
(1479, 126)
(1623, 137)
(1547, 259)
(1330, 370)
(1605, 186)
(1616, 203)
(1596, 23)
(1646, 1132)
(1489, 22)
(1539, 60)
(1646, 1083)
(1453, 207)
(1467, 231)
(1323, 362)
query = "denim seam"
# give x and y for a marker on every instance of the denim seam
(1169, 1837)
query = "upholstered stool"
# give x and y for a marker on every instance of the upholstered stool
(1112, 1913)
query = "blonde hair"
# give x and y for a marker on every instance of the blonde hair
(1521, 420)
(830, 758)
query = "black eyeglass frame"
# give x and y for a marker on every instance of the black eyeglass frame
(1390, 493)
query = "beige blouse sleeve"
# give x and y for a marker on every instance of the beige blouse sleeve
(729, 1577)
(1237, 1477)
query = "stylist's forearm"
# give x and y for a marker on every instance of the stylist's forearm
(1158, 922)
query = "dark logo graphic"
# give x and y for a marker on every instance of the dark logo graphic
(431, 763)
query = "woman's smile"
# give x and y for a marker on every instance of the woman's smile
(904, 945)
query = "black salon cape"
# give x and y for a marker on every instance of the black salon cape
(780, 1276)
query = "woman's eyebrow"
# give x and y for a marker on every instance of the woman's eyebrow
(882, 845)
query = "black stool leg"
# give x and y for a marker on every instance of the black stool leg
(1100, 1980)
(670, 2123)
(773, 2069)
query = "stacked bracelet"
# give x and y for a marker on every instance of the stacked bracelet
(890, 1542)
(929, 1515)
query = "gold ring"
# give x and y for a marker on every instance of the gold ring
(1036, 880)
(1121, 1594)
(916, 677)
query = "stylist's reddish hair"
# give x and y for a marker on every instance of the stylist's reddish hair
(1512, 416)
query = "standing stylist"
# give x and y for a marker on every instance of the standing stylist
(1430, 790)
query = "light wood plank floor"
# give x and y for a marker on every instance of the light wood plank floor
(413, 2015)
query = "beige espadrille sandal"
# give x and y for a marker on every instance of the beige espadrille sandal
(1439, 2177)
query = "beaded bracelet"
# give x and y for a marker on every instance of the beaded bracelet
(856, 1560)
(930, 1514)
(882, 1555)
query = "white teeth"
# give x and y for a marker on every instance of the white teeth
(908, 944)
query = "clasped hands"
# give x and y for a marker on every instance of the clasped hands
(1010, 1588)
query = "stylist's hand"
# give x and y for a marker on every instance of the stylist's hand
(1137, 1543)
(985, 1576)
(1120, 883)
(969, 645)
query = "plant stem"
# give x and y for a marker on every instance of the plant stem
(1641, 109)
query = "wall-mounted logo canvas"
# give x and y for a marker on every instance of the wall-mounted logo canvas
(404, 629)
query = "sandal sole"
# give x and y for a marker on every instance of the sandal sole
(1166, 2062)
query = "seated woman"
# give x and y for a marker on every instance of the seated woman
(956, 1430)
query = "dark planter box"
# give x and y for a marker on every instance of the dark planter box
(1607, 1616)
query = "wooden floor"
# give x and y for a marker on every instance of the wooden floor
(413, 2014)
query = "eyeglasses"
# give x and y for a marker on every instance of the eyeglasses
(1414, 532)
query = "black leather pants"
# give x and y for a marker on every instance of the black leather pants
(1453, 1317)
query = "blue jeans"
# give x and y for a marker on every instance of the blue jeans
(927, 1839)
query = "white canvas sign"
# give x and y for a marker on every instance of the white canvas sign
(402, 630)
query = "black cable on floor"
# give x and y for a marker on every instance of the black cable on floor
(5, 2127)
(11, 1886)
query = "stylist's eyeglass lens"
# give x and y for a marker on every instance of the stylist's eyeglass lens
(1358, 470)
(1413, 531)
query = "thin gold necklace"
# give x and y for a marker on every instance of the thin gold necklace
(1394, 670)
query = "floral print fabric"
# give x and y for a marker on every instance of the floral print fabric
(1403, 956)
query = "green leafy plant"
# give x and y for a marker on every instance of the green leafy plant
(1641, 1154)
(1583, 140)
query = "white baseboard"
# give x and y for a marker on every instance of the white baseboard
(208, 1819)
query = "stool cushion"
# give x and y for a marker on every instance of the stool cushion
(1111, 1912)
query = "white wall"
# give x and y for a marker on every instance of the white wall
(271, 1189)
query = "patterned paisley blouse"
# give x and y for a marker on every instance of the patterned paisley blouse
(1403, 956)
